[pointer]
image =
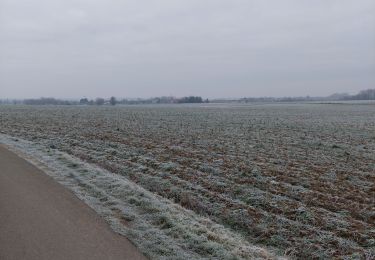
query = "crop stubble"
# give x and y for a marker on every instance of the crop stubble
(296, 177)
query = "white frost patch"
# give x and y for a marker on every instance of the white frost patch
(160, 228)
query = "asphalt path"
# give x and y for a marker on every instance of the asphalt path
(40, 219)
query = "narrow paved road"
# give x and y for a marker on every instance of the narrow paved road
(40, 219)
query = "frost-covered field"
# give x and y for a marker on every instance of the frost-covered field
(295, 178)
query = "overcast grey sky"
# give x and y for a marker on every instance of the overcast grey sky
(212, 48)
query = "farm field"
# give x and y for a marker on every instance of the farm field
(298, 179)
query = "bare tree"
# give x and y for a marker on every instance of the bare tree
(113, 101)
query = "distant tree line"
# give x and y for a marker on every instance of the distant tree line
(48, 101)
(10, 102)
(157, 100)
(191, 99)
(101, 101)
(97, 101)
(368, 94)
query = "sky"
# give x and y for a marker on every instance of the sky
(210, 48)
